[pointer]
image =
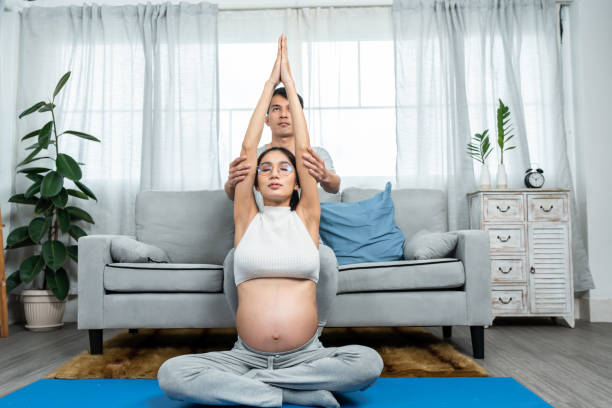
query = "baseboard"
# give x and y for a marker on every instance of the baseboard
(600, 310)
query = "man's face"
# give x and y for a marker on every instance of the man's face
(279, 117)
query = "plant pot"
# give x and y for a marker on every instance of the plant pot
(43, 311)
(502, 181)
(485, 177)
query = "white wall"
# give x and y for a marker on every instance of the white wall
(592, 64)
(9, 39)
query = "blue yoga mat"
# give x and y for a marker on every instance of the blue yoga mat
(386, 393)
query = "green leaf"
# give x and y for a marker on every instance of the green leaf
(31, 134)
(21, 199)
(29, 170)
(54, 253)
(64, 220)
(73, 252)
(58, 282)
(42, 205)
(79, 214)
(30, 267)
(45, 135)
(68, 167)
(25, 243)
(31, 109)
(30, 156)
(18, 235)
(38, 228)
(85, 189)
(35, 177)
(52, 184)
(77, 193)
(82, 135)
(32, 190)
(13, 281)
(33, 146)
(47, 107)
(61, 84)
(76, 232)
(510, 148)
(61, 199)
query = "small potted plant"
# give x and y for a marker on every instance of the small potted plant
(503, 136)
(479, 150)
(53, 222)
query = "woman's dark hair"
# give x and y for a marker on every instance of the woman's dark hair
(295, 197)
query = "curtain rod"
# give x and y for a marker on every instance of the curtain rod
(221, 8)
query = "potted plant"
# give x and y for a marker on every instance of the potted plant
(503, 136)
(53, 223)
(479, 150)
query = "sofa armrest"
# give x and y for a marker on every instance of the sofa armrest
(473, 250)
(94, 254)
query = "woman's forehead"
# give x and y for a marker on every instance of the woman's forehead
(275, 157)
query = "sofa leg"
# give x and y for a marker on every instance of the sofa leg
(95, 341)
(133, 331)
(447, 331)
(477, 333)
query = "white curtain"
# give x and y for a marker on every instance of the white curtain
(454, 60)
(342, 62)
(144, 81)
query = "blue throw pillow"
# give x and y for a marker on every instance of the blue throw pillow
(363, 231)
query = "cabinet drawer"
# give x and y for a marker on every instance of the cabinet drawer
(508, 270)
(509, 238)
(504, 208)
(547, 207)
(508, 300)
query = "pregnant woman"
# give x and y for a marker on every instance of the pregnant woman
(278, 357)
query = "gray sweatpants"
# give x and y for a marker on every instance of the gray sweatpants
(247, 376)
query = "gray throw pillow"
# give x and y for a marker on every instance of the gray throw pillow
(430, 245)
(126, 249)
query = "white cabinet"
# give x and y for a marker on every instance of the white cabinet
(529, 234)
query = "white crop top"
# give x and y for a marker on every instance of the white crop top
(276, 244)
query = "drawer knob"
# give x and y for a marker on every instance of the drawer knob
(504, 240)
(532, 270)
(506, 210)
(505, 302)
(502, 271)
(545, 210)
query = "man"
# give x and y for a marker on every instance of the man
(278, 118)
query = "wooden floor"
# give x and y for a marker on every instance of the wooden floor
(566, 367)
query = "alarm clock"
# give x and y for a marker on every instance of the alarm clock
(534, 178)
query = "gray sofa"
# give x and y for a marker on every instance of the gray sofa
(195, 228)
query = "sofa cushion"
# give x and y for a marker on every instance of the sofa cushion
(362, 231)
(191, 226)
(152, 277)
(443, 273)
(415, 209)
(126, 249)
(430, 245)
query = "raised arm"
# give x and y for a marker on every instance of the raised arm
(245, 207)
(309, 203)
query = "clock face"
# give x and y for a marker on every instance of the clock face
(536, 179)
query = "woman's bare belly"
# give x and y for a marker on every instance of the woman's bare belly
(276, 314)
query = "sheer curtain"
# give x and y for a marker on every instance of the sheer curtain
(454, 60)
(144, 82)
(342, 62)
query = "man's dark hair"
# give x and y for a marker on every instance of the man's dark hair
(283, 92)
(295, 196)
